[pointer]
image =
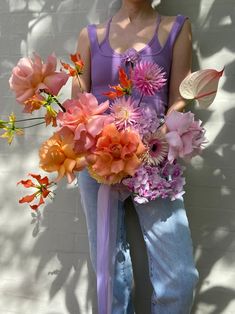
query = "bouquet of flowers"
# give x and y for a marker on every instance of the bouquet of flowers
(119, 141)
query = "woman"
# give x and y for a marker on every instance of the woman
(140, 30)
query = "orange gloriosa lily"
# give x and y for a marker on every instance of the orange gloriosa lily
(124, 88)
(41, 187)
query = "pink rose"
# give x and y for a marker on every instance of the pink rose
(85, 118)
(30, 75)
(185, 136)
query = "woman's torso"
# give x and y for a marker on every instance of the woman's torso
(105, 62)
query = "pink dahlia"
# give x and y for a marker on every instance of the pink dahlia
(126, 112)
(148, 77)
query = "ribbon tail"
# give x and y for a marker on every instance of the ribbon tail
(107, 214)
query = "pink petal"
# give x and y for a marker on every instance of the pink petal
(179, 121)
(187, 142)
(172, 121)
(102, 107)
(55, 81)
(25, 95)
(175, 145)
(172, 154)
(50, 66)
(80, 128)
(174, 140)
(88, 102)
(96, 124)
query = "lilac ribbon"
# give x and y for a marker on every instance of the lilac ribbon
(107, 214)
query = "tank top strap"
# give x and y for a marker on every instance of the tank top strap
(94, 45)
(106, 31)
(92, 32)
(176, 28)
(157, 24)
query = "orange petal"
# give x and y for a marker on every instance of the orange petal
(69, 166)
(61, 173)
(117, 166)
(81, 163)
(131, 165)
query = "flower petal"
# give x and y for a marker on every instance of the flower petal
(201, 85)
(27, 198)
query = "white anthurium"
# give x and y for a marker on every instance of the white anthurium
(201, 85)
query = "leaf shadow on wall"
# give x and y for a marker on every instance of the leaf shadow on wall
(64, 238)
(210, 179)
(212, 237)
(36, 26)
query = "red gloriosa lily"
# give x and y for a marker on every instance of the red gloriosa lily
(124, 88)
(41, 187)
(78, 65)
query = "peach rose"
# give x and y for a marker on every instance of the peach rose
(57, 154)
(30, 75)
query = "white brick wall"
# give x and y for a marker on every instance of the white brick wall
(47, 271)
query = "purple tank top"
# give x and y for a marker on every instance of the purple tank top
(105, 62)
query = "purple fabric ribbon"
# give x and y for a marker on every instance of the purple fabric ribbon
(107, 217)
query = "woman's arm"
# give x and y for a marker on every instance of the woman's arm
(83, 47)
(180, 68)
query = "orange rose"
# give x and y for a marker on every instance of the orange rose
(116, 155)
(57, 154)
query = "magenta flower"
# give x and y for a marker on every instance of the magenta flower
(126, 112)
(185, 137)
(148, 78)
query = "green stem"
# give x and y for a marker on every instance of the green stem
(54, 99)
(30, 126)
(29, 119)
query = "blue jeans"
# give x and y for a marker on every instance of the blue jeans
(166, 233)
